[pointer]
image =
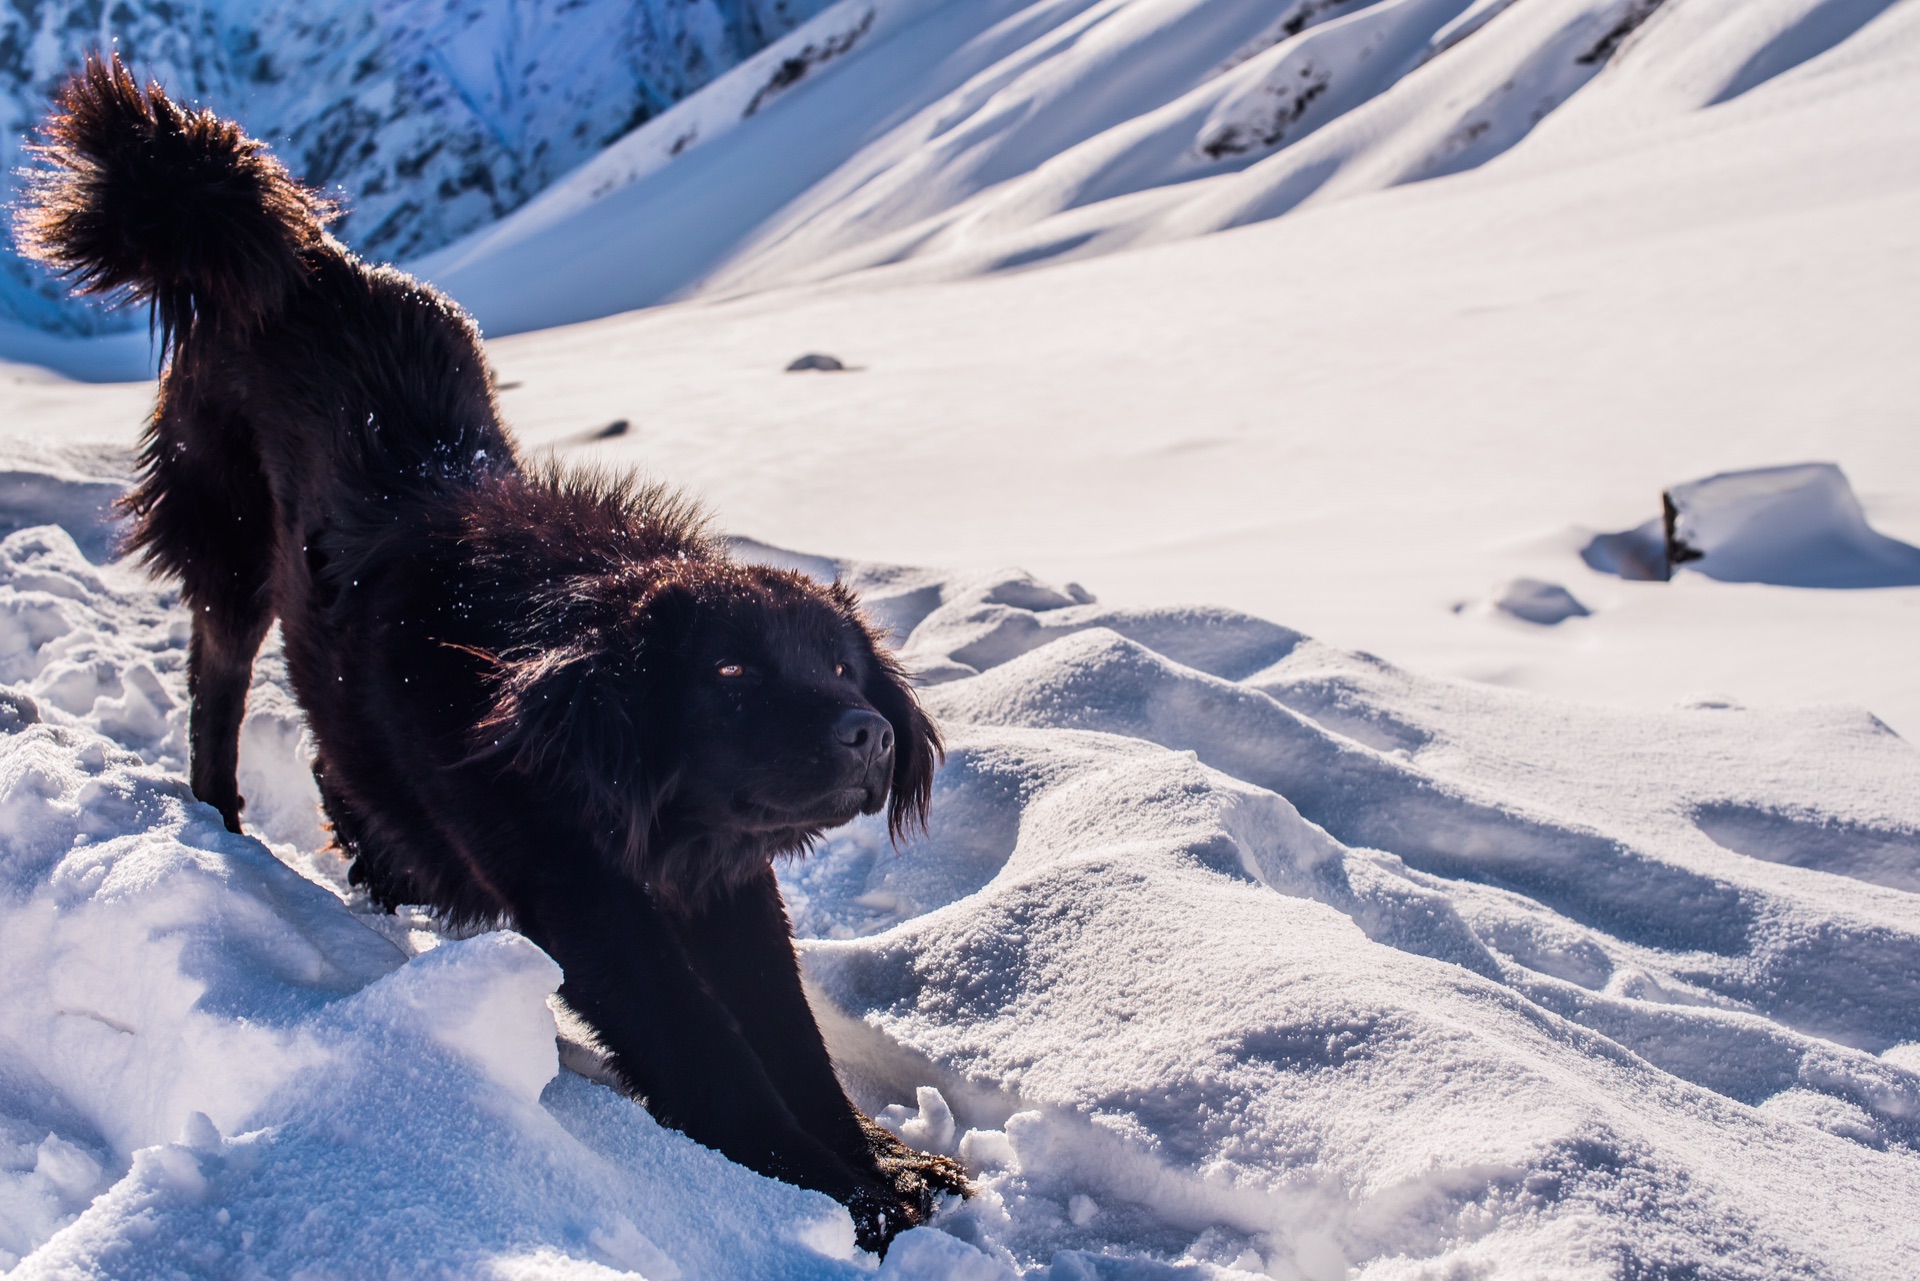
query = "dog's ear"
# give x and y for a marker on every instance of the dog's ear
(917, 749)
(579, 715)
(561, 712)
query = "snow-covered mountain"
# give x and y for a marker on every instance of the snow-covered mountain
(922, 137)
(431, 117)
(939, 139)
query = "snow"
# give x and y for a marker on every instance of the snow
(1227, 950)
(225, 1070)
(948, 140)
(1532, 601)
(1796, 526)
(1433, 928)
(1356, 416)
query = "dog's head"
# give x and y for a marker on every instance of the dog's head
(712, 716)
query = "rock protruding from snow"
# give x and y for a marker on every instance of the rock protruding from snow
(1532, 600)
(1639, 553)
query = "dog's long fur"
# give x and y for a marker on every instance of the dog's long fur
(539, 697)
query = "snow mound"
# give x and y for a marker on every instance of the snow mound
(1796, 526)
(1228, 952)
(1273, 956)
(71, 486)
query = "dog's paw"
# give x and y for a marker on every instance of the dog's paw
(879, 1217)
(911, 1185)
(924, 1177)
(225, 799)
(918, 1180)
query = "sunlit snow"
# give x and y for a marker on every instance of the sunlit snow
(1333, 873)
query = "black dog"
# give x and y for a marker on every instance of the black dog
(540, 698)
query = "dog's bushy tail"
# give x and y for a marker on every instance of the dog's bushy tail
(140, 198)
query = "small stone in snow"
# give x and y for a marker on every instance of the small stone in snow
(1533, 601)
(817, 360)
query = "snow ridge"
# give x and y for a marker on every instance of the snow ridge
(945, 140)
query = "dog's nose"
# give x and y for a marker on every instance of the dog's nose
(866, 734)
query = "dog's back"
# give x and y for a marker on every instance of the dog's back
(274, 332)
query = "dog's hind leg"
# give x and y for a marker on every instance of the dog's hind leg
(219, 670)
(370, 863)
(202, 512)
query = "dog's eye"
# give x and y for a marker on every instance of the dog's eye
(729, 670)
(839, 669)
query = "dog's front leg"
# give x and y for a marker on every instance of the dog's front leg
(669, 1038)
(742, 944)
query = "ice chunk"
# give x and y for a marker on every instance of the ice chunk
(930, 1127)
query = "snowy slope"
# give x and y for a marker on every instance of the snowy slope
(431, 117)
(957, 139)
(1375, 411)
(1228, 952)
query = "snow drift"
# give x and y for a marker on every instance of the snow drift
(1228, 952)
(1796, 526)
